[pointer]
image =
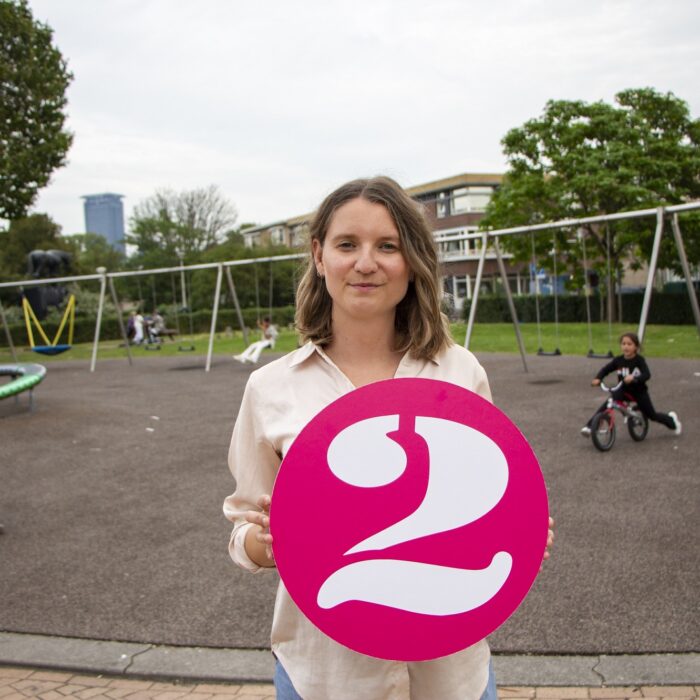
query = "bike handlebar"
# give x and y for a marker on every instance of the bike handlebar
(605, 387)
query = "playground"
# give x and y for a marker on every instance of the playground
(113, 486)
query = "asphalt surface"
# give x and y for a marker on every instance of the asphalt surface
(111, 494)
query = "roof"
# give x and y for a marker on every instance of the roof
(463, 180)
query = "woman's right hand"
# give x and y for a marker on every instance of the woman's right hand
(595, 382)
(258, 542)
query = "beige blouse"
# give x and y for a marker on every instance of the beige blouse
(279, 400)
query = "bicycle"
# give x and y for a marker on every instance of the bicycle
(603, 430)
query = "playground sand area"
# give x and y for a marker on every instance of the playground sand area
(112, 491)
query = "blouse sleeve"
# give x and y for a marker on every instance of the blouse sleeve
(253, 462)
(481, 384)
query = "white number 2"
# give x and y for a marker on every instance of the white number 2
(468, 475)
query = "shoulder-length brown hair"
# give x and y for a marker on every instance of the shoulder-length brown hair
(421, 327)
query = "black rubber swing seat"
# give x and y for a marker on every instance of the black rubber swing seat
(553, 353)
(600, 355)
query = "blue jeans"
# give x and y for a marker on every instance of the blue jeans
(285, 690)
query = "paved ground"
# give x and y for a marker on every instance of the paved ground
(112, 492)
(19, 683)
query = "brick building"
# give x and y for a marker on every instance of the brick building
(454, 206)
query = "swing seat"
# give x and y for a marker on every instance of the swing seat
(599, 355)
(553, 353)
(51, 349)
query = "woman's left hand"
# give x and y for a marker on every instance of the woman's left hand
(550, 541)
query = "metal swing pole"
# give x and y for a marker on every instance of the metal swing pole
(120, 320)
(477, 286)
(675, 227)
(511, 304)
(236, 303)
(103, 288)
(7, 333)
(652, 271)
(214, 315)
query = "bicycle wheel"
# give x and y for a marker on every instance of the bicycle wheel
(603, 432)
(638, 426)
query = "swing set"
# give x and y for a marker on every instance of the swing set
(660, 213)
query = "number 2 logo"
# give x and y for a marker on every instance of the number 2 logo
(409, 519)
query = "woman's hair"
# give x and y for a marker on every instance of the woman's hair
(633, 337)
(421, 327)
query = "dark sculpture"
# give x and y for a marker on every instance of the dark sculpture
(42, 264)
(48, 263)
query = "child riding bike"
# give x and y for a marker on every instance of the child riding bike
(633, 371)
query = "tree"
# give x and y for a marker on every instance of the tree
(92, 250)
(33, 82)
(35, 232)
(189, 222)
(581, 159)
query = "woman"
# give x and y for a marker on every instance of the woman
(368, 307)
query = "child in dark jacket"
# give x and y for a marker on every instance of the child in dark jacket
(633, 371)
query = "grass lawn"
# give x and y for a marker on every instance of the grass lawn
(660, 341)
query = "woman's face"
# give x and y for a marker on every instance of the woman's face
(365, 270)
(628, 347)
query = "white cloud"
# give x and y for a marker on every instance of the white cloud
(278, 102)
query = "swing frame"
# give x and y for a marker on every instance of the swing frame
(486, 237)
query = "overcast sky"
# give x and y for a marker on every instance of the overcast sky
(278, 102)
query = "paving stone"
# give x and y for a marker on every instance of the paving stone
(615, 692)
(256, 690)
(563, 692)
(508, 692)
(51, 676)
(15, 672)
(52, 695)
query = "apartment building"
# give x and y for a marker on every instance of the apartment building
(454, 206)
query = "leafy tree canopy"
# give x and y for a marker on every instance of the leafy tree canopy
(189, 222)
(33, 82)
(92, 250)
(581, 159)
(35, 232)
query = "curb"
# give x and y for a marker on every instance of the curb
(130, 659)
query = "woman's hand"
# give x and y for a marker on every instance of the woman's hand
(550, 541)
(258, 541)
(628, 379)
(595, 382)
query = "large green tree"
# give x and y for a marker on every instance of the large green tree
(33, 82)
(580, 159)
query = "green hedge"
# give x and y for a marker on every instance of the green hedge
(84, 328)
(666, 308)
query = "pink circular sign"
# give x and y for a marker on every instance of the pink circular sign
(409, 519)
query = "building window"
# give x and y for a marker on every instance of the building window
(442, 205)
(463, 200)
(277, 235)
